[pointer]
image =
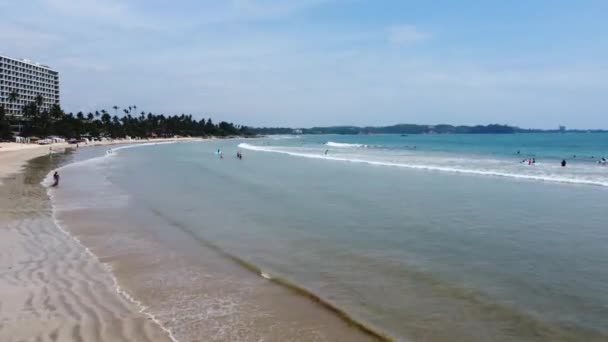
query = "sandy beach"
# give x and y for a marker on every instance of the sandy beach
(52, 288)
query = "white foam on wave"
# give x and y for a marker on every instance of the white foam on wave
(543, 178)
(344, 145)
(284, 137)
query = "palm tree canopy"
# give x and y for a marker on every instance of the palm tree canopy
(13, 96)
(39, 100)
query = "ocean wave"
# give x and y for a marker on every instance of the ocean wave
(542, 178)
(344, 145)
(284, 137)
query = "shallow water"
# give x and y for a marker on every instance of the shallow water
(52, 289)
(413, 253)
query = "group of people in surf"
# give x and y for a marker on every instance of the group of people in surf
(220, 154)
(532, 161)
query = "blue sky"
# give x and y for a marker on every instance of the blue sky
(325, 62)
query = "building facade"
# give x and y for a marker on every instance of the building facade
(26, 80)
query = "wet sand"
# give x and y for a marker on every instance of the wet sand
(51, 289)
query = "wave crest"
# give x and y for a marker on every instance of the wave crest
(344, 145)
(461, 170)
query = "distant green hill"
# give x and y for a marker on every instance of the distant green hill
(412, 129)
(394, 129)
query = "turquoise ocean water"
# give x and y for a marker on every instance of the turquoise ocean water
(423, 237)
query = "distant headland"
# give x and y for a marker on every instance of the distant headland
(415, 129)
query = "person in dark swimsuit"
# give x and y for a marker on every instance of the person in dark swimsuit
(56, 179)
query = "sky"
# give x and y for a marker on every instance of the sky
(303, 63)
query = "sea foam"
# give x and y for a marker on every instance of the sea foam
(421, 166)
(344, 145)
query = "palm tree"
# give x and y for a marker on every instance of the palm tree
(90, 116)
(39, 100)
(115, 110)
(13, 96)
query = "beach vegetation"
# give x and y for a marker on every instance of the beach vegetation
(36, 121)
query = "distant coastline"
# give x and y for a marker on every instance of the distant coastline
(415, 129)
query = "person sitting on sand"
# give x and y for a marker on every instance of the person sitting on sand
(56, 179)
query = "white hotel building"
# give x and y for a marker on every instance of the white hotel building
(28, 80)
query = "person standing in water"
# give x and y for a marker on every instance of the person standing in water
(56, 179)
(564, 163)
(326, 151)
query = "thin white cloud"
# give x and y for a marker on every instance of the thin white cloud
(81, 64)
(264, 9)
(405, 34)
(26, 40)
(107, 12)
(237, 11)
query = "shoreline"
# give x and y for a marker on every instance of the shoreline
(13, 156)
(110, 305)
(84, 225)
(52, 288)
